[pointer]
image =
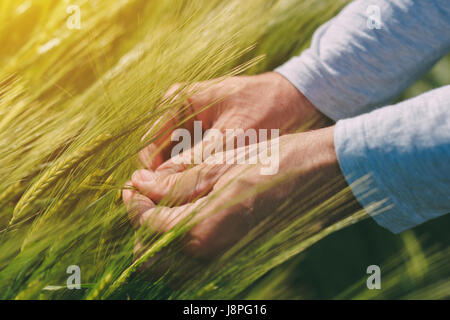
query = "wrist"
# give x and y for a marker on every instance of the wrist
(311, 152)
(326, 152)
(305, 115)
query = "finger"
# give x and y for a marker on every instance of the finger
(151, 156)
(135, 203)
(193, 99)
(161, 129)
(155, 154)
(211, 144)
(164, 219)
(172, 184)
(215, 226)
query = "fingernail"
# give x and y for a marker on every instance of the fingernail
(127, 195)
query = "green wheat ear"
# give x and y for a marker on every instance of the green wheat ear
(64, 203)
(12, 192)
(21, 211)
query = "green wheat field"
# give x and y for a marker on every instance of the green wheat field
(75, 101)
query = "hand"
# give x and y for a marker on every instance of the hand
(231, 199)
(266, 101)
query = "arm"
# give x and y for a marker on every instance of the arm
(351, 69)
(405, 149)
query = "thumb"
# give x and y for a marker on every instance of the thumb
(135, 203)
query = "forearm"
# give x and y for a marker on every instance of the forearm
(351, 69)
(403, 151)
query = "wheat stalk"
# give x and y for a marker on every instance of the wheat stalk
(55, 173)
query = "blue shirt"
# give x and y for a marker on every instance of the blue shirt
(396, 158)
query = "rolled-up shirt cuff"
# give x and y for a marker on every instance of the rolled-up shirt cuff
(367, 176)
(305, 74)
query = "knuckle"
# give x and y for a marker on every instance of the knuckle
(139, 175)
(198, 245)
(198, 249)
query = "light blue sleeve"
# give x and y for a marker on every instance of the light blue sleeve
(405, 151)
(352, 67)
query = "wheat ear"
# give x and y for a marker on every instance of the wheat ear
(56, 172)
(65, 202)
(15, 191)
(12, 192)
